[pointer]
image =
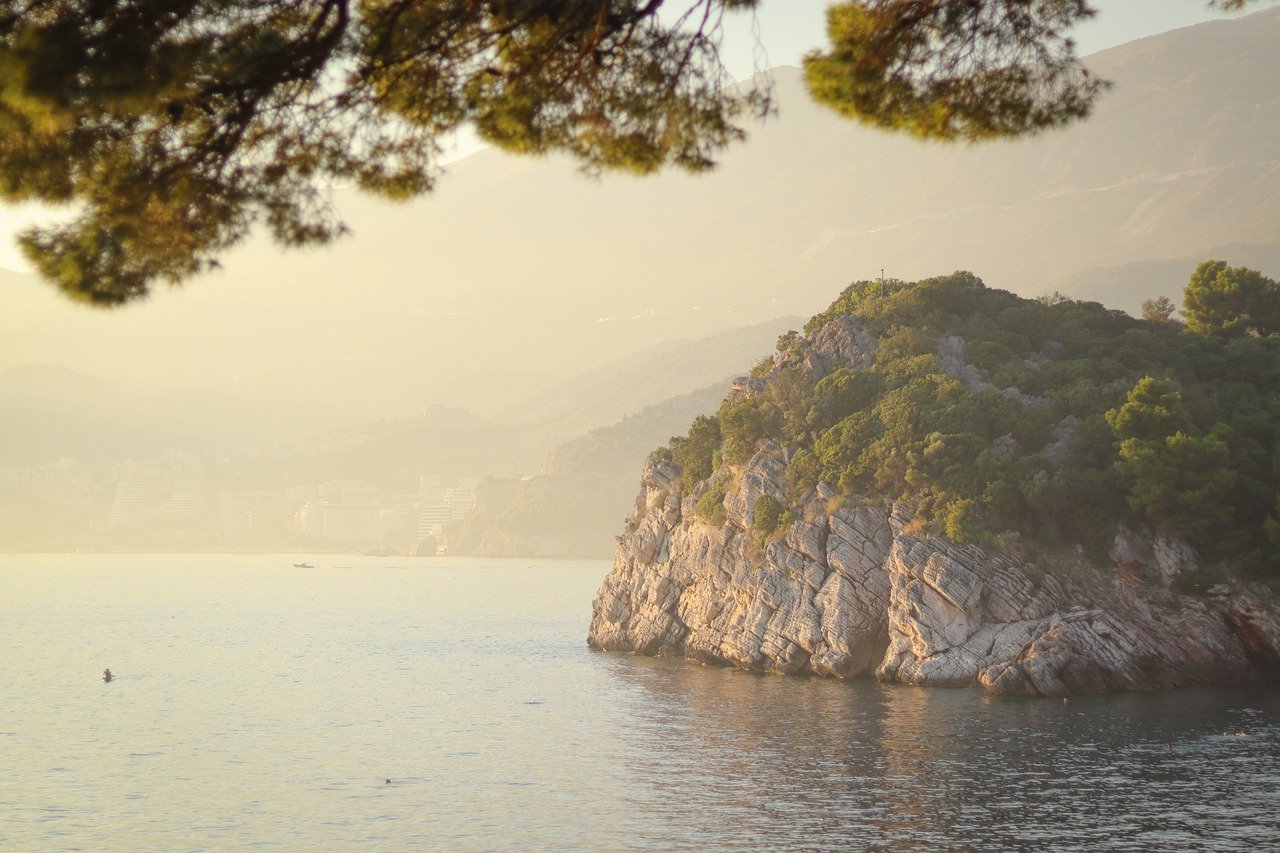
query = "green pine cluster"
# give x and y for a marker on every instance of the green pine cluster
(174, 129)
(1154, 423)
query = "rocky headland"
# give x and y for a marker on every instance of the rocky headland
(857, 587)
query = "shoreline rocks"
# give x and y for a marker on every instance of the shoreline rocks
(854, 594)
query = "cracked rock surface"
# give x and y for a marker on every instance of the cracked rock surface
(852, 594)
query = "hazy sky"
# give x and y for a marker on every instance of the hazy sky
(787, 31)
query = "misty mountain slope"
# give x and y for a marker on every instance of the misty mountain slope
(53, 412)
(391, 453)
(616, 449)
(1167, 277)
(574, 507)
(518, 272)
(606, 393)
(457, 442)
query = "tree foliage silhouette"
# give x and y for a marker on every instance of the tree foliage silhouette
(175, 126)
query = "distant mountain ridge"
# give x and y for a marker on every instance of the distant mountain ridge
(606, 393)
(53, 411)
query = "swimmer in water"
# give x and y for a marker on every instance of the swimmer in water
(107, 676)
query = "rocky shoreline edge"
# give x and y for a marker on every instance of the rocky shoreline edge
(854, 594)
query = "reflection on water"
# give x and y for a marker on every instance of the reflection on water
(257, 705)
(811, 762)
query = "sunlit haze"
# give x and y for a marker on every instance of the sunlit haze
(903, 475)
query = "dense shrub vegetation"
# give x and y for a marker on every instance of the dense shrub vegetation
(1149, 422)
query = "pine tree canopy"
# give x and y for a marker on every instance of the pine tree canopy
(1225, 302)
(175, 126)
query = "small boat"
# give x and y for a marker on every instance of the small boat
(303, 566)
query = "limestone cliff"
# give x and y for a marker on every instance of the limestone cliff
(859, 590)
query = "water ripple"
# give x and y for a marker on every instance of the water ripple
(257, 707)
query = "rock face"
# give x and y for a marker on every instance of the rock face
(853, 591)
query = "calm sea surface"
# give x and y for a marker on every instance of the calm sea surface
(258, 705)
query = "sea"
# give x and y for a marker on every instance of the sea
(453, 704)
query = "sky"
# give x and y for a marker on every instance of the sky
(787, 30)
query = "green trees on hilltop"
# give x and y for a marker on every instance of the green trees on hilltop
(1159, 310)
(1227, 302)
(1152, 411)
(698, 452)
(1179, 480)
(1095, 418)
(1182, 484)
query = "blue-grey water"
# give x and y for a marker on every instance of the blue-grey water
(258, 705)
